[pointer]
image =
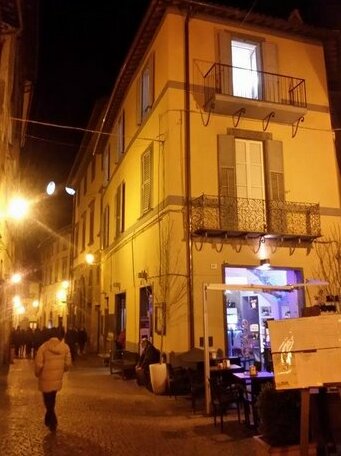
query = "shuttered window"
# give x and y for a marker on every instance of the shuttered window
(120, 209)
(91, 222)
(145, 90)
(250, 170)
(105, 227)
(146, 180)
(119, 137)
(274, 170)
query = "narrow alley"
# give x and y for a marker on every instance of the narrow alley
(100, 415)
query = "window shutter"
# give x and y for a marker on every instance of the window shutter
(224, 71)
(269, 57)
(227, 182)
(224, 48)
(274, 170)
(151, 63)
(118, 210)
(271, 83)
(139, 101)
(146, 181)
(227, 165)
(122, 133)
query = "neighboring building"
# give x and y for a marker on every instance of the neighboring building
(29, 292)
(17, 67)
(55, 254)
(87, 177)
(208, 168)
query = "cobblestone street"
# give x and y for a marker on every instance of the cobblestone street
(101, 414)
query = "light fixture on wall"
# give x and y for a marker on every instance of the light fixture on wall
(264, 264)
(142, 275)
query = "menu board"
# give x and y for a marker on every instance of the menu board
(306, 352)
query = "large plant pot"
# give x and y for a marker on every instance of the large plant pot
(158, 377)
(264, 449)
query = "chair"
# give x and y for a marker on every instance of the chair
(197, 386)
(178, 381)
(222, 397)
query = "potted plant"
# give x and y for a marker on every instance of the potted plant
(279, 416)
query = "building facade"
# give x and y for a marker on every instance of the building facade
(87, 177)
(217, 155)
(55, 254)
(17, 70)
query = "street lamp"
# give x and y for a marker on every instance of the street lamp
(89, 258)
(18, 208)
(16, 278)
(51, 189)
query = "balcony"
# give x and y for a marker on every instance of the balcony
(254, 94)
(215, 216)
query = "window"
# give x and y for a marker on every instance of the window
(56, 271)
(91, 222)
(106, 165)
(120, 143)
(145, 90)
(251, 177)
(120, 208)
(93, 168)
(249, 169)
(146, 180)
(245, 63)
(249, 67)
(105, 228)
(76, 234)
(64, 268)
(83, 231)
(85, 183)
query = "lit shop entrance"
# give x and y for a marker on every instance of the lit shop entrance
(247, 312)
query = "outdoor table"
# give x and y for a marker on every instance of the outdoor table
(230, 368)
(225, 373)
(252, 385)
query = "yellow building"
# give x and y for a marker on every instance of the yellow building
(217, 154)
(55, 255)
(87, 177)
(17, 22)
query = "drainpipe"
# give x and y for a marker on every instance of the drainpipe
(188, 211)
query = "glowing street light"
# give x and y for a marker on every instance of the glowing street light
(18, 208)
(16, 302)
(16, 278)
(20, 310)
(89, 258)
(61, 295)
(65, 284)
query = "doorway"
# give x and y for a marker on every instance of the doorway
(146, 313)
(120, 323)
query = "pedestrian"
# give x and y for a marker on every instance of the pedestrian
(149, 355)
(52, 360)
(71, 339)
(82, 339)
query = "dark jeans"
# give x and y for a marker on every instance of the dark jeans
(143, 377)
(50, 401)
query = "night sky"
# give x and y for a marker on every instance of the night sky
(82, 45)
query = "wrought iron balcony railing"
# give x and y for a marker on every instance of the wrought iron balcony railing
(255, 85)
(214, 216)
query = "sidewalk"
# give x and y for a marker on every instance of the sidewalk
(101, 415)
